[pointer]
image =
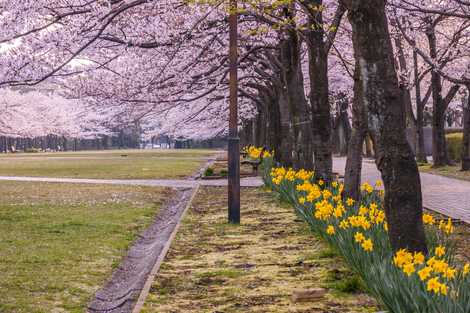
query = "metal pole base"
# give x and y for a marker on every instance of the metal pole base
(234, 180)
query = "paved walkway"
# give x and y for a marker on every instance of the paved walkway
(173, 183)
(445, 195)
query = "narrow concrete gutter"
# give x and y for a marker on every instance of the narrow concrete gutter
(133, 278)
(148, 284)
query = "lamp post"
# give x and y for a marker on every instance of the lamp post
(233, 139)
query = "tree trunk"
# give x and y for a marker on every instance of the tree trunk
(466, 132)
(439, 145)
(420, 148)
(319, 102)
(286, 132)
(377, 85)
(273, 135)
(352, 172)
(259, 130)
(294, 106)
(409, 115)
(368, 144)
(342, 125)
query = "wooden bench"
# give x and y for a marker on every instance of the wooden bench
(254, 165)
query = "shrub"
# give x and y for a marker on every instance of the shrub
(454, 146)
(209, 171)
(402, 282)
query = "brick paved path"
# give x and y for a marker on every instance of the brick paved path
(445, 195)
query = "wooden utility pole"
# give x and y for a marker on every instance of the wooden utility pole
(233, 139)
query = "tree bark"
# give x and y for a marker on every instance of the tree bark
(466, 132)
(420, 148)
(439, 146)
(272, 118)
(294, 106)
(369, 146)
(319, 101)
(378, 87)
(409, 115)
(352, 172)
(342, 127)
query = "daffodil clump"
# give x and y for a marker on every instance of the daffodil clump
(403, 282)
(257, 153)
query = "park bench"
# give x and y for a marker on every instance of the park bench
(254, 165)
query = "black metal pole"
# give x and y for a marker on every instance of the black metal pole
(233, 140)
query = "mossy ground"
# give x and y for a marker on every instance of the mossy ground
(461, 236)
(452, 171)
(60, 242)
(254, 267)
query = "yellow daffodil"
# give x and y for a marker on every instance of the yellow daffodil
(350, 201)
(448, 228)
(425, 273)
(434, 285)
(402, 257)
(367, 187)
(338, 212)
(443, 289)
(466, 269)
(418, 258)
(344, 224)
(363, 210)
(440, 266)
(428, 219)
(330, 230)
(326, 194)
(450, 273)
(267, 154)
(409, 269)
(367, 245)
(359, 237)
(440, 251)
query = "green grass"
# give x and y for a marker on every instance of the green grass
(60, 242)
(112, 164)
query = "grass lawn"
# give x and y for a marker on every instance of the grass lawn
(255, 267)
(117, 164)
(60, 242)
(448, 171)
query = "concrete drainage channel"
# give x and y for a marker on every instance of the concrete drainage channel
(133, 278)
